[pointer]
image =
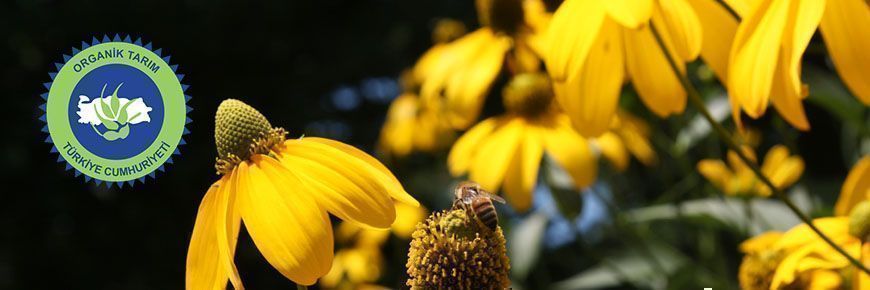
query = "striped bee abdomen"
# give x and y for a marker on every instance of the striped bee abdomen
(485, 212)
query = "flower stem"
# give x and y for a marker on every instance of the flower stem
(725, 136)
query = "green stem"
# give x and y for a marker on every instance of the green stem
(725, 136)
(301, 287)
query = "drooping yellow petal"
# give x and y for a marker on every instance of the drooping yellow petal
(407, 218)
(339, 184)
(788, 90)
(683, 26)
(375, 168)
(786, 100)
(397, 135)
(288, 227)
(464, 149)
(856, 187)
(613, 149)
(761, 242)
(493, 158)
(571, 33)
(591, 98)
(834, 227)
(635, 135)
(467, 88)
(651, 75)
(825, 280)
(719, 27)
(206, 266)
(716, 172)
(754, 55)
(523, 172)
(571, 151)
(629, 13)
(846, 29)
(449, 59)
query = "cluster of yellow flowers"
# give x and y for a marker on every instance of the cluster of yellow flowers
(799, 259)
(566, 69)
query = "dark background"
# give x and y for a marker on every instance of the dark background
(287, 58)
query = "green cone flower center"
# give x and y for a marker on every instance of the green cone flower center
(241, 131)
(529, 95)
(859, 221)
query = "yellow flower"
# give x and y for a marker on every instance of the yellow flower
(411, 126)
(778, 166)
(506, 151)
(628, 134)
(810, 261)
(594, 46)
(462, 71)
(765, 58)
(283, 190)
(759, 262)
(856, 188)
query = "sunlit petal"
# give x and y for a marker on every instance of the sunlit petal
(339, 184)
(613, 149)
(467, 88)
(629, 13)
(523, 173)
(495, 154)
(683, 26)
(288, 227)
(570, 151)
(651, 75)
(571, 33)
(206, 262)
(754, 55)
(375, 168)
(463, 150)
(846, 29)
(856, 188)
(716, 172)
(591, 98)
(719, 27)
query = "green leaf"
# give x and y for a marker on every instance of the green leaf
(106, 110)
(122, 115)
(116, 103)
(106, 122)
(115, 135)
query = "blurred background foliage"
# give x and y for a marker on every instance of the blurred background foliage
(330, 69)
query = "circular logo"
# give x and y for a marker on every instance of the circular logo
(115, 110)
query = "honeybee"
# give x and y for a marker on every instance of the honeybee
(472, 198)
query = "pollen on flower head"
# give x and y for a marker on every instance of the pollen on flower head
(241, 131)
(529, 94)
(449, 251)
(859, 221)
(757, 269)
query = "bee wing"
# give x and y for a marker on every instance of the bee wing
(495, 197)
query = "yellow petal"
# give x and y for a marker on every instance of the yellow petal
(614, 150)
(591, 98)
(856, 188)
(407, 218)
(834, 227)
(825, 280)
(397, 135)
(464, 149)
(629, 13)
(339, 184)
(291, 231)
(491, 162)
(716, 172)
(782, 169)
(786, 100)
(754, 55)
(761, 242)
(683, 26)
(846, 29)
(467, 88)
(571, 33)
(571, 151)
(773, 159)
(635, 135)
(206, 266)
(651, 75)
(450, 59)
(523, 172)
(719, 27)
(375, 169)
(429, 62)
(787, 88)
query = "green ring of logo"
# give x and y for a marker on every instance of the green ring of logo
(123, 170)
